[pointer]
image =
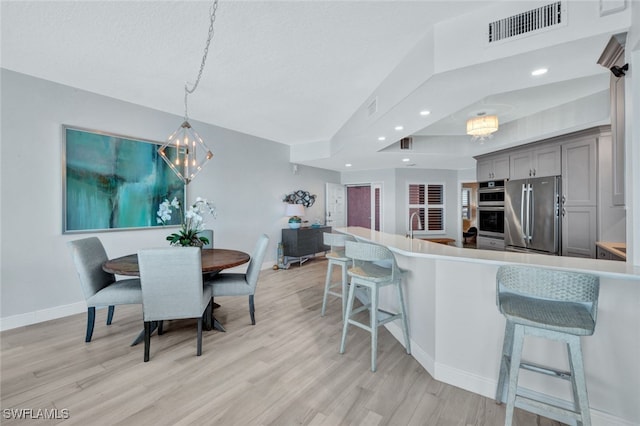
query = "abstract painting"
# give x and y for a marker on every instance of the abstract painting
(112, 182)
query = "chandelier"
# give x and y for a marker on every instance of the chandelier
(185, 152)
(482, 126)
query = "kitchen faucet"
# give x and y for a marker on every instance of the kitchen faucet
(410, 235)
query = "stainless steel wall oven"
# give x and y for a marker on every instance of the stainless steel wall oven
(491, 215)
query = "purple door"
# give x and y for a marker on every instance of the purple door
(359, 206)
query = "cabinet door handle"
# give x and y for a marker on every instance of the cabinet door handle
(564, 199)
(563, 212)
(534, 172)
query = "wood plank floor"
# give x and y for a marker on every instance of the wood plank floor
(285, 370)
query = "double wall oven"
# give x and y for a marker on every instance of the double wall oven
(491, 215)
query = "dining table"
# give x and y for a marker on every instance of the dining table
(213, 261)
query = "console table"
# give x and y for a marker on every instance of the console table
(302, 243)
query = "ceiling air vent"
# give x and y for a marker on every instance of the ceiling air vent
(534, 20)
(406, 143)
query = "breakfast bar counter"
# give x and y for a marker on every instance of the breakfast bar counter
(456, 329)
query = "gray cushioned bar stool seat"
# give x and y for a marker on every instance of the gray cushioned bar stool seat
(336, 257)
(552, 304)
(367, 273)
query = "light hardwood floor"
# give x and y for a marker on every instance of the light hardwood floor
(285, 370)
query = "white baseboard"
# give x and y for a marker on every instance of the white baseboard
(48, 314)
(35, 317)
(466, 380)
(417, 352)
(482, 385)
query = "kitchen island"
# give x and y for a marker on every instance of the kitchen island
(456, 329)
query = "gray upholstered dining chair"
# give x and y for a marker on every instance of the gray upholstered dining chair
(100, 288)
(172, 288)
(239, 284)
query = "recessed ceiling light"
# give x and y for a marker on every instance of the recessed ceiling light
(348, 165)
(425, 112)
(399, 128)
(382, 138)
(406, 160)
(539, 71)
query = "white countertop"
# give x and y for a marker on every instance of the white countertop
(421, 248)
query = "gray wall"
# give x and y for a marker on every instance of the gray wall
(394, 191)
(449, 178)
(246, 180)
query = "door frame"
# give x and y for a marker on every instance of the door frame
(373, 186)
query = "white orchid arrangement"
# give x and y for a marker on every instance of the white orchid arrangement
(191, 223)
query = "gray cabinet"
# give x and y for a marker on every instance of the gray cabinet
(607, 255)
(538, 162)
(579, 206)
(614, 55)
(579, 168)
(303, 242)
(578, 231)
(490, 168)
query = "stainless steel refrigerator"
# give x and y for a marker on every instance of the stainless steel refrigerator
(532, 215)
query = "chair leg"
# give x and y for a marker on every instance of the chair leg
(252, 310)
(507, 348)
(147, 339)
(578, 382)
(373, 315)
(160, 329)
(110, 314)
(516, 356)
(213, 306)
(327, 284)
(208, 316)
(91, 319)
(347, 315)
(345, 288)
(199, 338)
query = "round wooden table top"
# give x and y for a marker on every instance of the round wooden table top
(212, 260)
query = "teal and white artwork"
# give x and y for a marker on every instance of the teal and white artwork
(114, 182)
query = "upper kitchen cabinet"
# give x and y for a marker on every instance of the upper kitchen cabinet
(492, 167)
(579, 168)
(537, 162)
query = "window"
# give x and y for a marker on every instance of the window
(426, 208)
(466, 203)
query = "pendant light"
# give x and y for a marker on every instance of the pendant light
(482, 126)
(185, 152)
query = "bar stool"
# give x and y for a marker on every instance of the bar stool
(336, 257)
(366, 273)
(552, 304)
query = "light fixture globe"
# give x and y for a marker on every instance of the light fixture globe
(185, 152)
(482, 126)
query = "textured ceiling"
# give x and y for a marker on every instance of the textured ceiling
(290, 71)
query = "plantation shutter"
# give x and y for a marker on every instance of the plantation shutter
(427, 200)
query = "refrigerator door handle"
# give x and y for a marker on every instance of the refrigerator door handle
(522, 222)
(532, 210)
(527, 222)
